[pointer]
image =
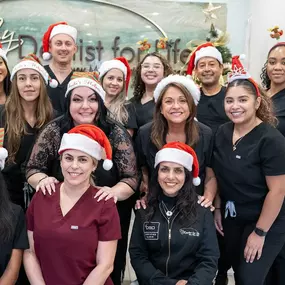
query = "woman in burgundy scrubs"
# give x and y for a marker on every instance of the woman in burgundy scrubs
(75, 243)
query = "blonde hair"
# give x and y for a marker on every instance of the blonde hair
(160, 125)
(116, 109)
(15, 122)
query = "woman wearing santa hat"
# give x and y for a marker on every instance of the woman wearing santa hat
(13, 233)
(26, 111)
(115, 76)
(174, 239)
(59, 46)
(5, 83)
(248, 160)
(176, 100)
(85, 105)
(150, 71)
(76, 242)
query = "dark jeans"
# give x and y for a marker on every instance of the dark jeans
(236, 234)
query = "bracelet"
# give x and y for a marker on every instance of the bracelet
(42, 179)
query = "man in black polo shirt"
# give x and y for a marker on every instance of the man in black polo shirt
(59, 44)
(207, 63)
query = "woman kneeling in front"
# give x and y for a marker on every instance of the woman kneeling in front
(174, 238)
(73, 237)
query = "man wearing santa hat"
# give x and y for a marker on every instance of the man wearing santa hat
(59, 46)
(207, 64)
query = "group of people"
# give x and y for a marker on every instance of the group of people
(203, 165)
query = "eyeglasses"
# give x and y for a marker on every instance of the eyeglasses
(154, 67)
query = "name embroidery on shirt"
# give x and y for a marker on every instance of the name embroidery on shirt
(74, 227)
(190, 232)
(151, 230)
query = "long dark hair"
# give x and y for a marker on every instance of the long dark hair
(265, 80)
(186, 199)
(7, 81)
(265, 110)
(101, 120)
(159, 128)
(6, 212)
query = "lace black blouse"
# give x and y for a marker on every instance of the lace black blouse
(45, 159)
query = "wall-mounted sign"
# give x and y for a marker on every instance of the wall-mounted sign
(105, 29)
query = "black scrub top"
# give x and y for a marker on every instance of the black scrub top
(144, 112)
(241, 173)
(18, 241)
(57, 95)
(211, 111)
(132, 119)
(278, 101)
(146, 151)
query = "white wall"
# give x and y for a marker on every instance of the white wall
(265, 14)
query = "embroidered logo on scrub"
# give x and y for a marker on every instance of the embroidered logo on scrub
(151, 230)
(190, 232)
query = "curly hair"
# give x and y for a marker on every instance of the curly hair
(186, 198)
(265, 110)
(160, 126)
(138, 85)
(265, 80)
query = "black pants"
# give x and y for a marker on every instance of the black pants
(224, 262)
(236, 234)
(125, 212)
(276, 273)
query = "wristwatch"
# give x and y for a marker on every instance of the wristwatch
(260, 232)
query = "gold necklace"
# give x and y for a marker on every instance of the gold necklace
(237, 142)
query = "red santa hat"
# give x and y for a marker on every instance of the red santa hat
(203, 50)
(187, 82)
(180, 153)
(53, 30)
(3, 151)
(89, 139)
(3, 53)
(120, 63)
(31, 61)
(86, 79)
(239, 72)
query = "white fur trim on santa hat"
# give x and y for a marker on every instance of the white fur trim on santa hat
(82, 143)
(86, 82)
(187, 82)
(210, 52)
(3, 156)
(3, 55)
(31, 65)
(64, 29)
(174, 155)
(112, 64)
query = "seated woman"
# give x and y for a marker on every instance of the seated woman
(115, 76)
(85, 105)
(76, 242)
(13, 234)
(174, 239)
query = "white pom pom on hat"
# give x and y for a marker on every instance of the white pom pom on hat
(180, 153)
(89, 139)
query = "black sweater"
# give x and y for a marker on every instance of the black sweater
(164, 253)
